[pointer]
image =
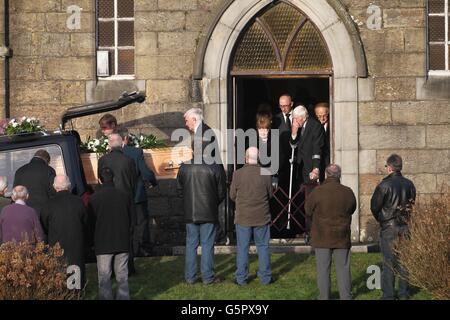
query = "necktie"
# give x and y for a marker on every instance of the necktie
(288, 121)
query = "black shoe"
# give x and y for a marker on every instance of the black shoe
(131, 270)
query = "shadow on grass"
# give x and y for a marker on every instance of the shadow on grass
(226, 265)
(286, 263)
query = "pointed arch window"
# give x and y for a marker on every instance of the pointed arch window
(281, 40)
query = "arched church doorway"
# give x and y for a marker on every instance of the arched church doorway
(213, 67)
(279, 51)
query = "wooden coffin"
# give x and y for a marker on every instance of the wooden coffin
(164, 162)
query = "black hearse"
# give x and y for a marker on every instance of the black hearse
(62, 145)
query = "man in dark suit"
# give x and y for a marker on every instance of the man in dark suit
(203, 136)
(125, 177)
(307, 135)
(283, 122)
(145, 176)
(124, 169)
(307, 139)
(111, 208)
(64, 218)
(37, 176)
(322, 112)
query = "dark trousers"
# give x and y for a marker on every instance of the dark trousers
(141, 235)
(132, 246)
(389, 233)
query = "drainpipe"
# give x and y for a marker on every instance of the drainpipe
(6, 53)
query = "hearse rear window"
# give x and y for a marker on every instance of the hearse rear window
(11, 160)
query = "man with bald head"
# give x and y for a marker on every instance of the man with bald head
(123, 167)
(330, 207)
(19, 222)
(251, 190)
(64, 218)
(125, 178)
(283, 120)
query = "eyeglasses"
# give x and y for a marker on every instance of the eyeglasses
(285, 105)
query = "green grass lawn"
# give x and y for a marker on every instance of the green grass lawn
(162, 278)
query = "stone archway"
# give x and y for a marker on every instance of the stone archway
(348, 66)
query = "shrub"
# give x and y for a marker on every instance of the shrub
(425, 254)
(33, 272)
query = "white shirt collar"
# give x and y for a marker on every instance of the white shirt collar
(290, 116)
(196, 126)
(20, 201)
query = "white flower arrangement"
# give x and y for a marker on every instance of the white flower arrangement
(145, 141)
(23, 125)
(141, 141)
(96, 145)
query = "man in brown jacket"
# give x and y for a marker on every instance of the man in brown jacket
(251, 189)
(330, 207)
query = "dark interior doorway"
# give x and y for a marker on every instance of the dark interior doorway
(251, 92)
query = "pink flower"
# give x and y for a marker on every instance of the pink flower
(3, 124)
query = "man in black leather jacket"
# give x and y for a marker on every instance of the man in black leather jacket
(390, 205)
(203, 188)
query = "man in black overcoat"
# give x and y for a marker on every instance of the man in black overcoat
(308, 136)
(64, 218)
(112, 209)
(125, 176)
(37, 176)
